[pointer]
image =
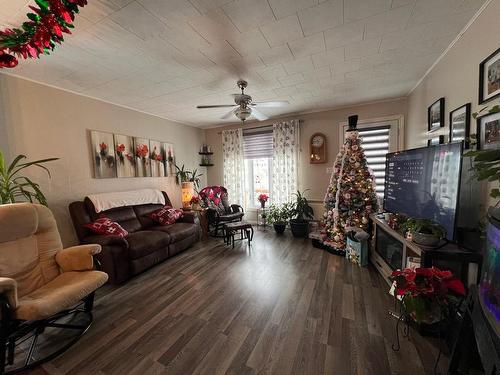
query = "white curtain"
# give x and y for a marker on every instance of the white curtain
(232, 154)
(285, 160)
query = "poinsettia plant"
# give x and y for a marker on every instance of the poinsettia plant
(263, 198)
(427, 293)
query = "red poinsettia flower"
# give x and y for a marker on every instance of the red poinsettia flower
(120, 147)
(103, 146)
(263, 198)
(455, 285)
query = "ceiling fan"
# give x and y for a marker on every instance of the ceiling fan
(244, 106)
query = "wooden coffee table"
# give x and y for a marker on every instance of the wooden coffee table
(231, 229)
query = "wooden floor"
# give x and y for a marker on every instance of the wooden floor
(280, 307)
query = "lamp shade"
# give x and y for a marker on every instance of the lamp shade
(187, 193)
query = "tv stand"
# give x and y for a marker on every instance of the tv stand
(389, 250)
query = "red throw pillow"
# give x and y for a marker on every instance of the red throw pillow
(166, 215)
(107, 227)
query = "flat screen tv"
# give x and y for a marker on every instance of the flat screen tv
(424, 183)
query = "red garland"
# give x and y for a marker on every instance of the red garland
(45, 28)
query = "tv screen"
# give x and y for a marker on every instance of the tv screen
(424, 183)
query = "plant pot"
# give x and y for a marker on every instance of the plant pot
(425, 239)
(300, 228)
(279, 228)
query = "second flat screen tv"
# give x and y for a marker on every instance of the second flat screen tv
(424, 183)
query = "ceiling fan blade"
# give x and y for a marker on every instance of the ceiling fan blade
(259, 115)
(215, 106)
(229, 114)
(275, 103)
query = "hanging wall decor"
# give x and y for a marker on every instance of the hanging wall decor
(39, 35)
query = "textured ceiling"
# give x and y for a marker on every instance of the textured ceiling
(164, 57)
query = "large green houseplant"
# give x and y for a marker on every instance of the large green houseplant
(14, 186)
(301, 212)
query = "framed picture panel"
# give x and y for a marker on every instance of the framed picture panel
(488, 132)
(142, 157)
(157, 159)
(489, 77)
(103, 154)
(435, 115)
(439, 140)
(125, 160)
(460, 124)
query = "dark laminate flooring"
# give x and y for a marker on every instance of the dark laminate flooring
(280, 307)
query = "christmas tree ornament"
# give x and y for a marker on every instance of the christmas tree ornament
(351, 193)
(39, 35)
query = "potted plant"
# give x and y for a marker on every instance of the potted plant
(278, 216)
(262, 198)
(14, 186)
(423, 231)
(427, 295)
(301, 212)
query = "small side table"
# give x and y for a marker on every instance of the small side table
(202, 216)
(262, 217)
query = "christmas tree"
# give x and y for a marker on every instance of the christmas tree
(350, 197)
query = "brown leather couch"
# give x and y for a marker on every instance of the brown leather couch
(147, 244)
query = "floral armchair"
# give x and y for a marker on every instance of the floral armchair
(219, 211)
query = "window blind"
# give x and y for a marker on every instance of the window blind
(258, 144)
(375, 142)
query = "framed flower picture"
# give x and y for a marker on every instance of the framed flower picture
(157, 159)
(125, 161)
(169, 155)
(435, 115)
(460, 124)
(103, 154)
(142, 160)
(488, 132)
(489, 77)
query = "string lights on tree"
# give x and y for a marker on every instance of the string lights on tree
(350, 197)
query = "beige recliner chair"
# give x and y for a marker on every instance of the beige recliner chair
(41, 284)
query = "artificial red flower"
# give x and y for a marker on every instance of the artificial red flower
(103, 146)
(455, 285)
(120, 147)
(263, 198)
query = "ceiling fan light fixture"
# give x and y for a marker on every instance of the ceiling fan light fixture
(243, 113)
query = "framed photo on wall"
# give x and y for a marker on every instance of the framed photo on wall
(460, 124)
(439, 140)
(488, 132)
(489, 77)
(103, 154)
(435, 115)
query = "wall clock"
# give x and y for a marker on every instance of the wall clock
(317, 149)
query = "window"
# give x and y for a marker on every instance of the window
(378, 138)
(258, 155)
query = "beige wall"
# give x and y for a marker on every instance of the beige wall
(455, 77)
(42, 122)
(311, 176)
